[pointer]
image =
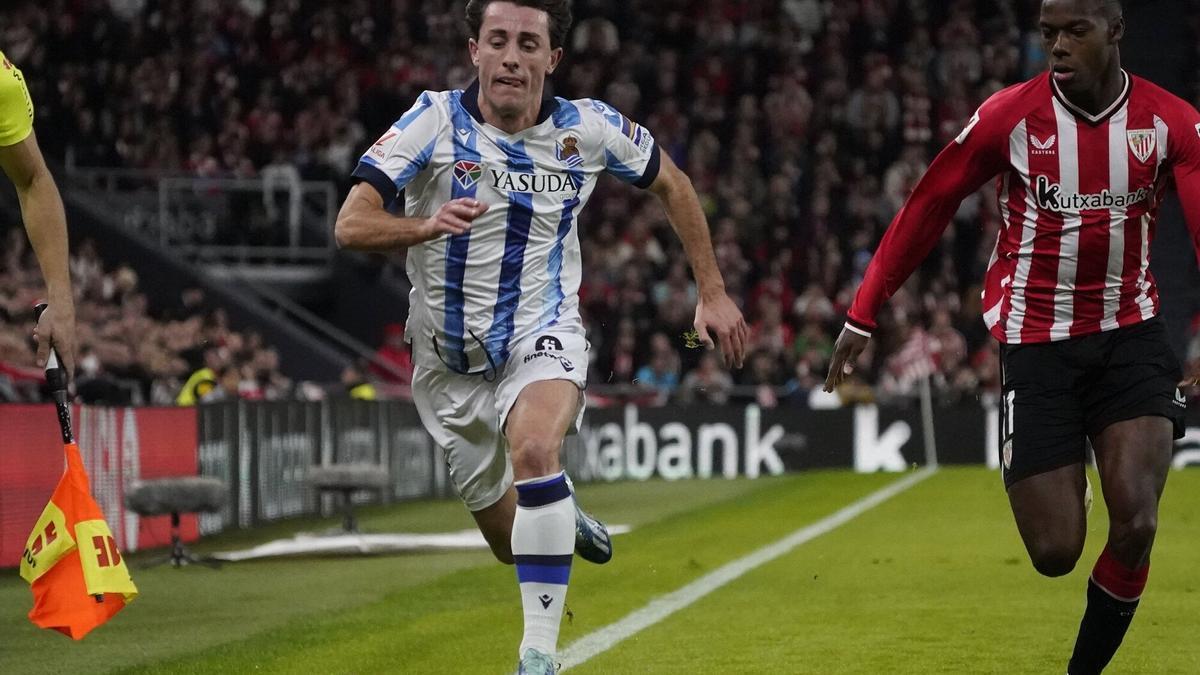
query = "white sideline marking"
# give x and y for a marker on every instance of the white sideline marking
(663, 606)
(358, 543)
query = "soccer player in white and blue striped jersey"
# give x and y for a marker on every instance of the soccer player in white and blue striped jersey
(483, 186)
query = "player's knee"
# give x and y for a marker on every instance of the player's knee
(1054, 560)
(1136, 534)
(535, 455)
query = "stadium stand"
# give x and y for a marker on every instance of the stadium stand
(802, 123)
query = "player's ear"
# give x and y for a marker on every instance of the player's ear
(555, 57)
(1116, 29)
(473, 47)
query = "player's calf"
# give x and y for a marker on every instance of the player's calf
(1113, 593)
(543, 543)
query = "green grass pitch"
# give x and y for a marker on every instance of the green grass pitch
(933, 581)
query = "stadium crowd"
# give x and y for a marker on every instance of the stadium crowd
(802, 123)
(129, 353)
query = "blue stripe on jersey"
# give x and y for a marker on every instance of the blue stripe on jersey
(508, 294)
(616, 168)
(567, 114)
(457, 245)
(423, 103)
(419, 163)
(552, 303)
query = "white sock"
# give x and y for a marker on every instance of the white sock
(543, 545)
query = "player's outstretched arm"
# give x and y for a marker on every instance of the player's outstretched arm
(46, 224)
(715, 310)
(364, 225)
(962, 167)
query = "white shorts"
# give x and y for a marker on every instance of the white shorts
(466, 414)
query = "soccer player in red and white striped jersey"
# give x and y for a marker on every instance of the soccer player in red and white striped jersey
(1082, 156)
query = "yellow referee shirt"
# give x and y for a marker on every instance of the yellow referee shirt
(16, 108)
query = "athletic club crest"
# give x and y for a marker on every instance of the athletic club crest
(1142, 143)
(467, 173)
(567, 151)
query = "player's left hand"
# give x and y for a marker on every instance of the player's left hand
(57, 326)
(722, 316)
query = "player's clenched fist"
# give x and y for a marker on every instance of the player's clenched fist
(454, 217)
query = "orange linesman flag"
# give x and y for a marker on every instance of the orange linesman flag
(79, 578)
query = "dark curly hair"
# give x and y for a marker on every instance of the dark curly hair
(558, 10)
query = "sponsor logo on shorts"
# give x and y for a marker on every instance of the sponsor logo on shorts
(546, 346)
(1007, 454)
(562, 360)
(1180, 398)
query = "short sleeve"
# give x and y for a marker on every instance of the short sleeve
(630, 152)
(403, 151)
(16, 108)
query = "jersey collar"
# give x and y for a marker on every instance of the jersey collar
(1083, 114)
(470, 103)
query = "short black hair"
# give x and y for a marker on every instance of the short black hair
(558, 10)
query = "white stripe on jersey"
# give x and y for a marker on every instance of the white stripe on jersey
(991, 315)
(1118, 178)
(1144, 301)
(1068, 257)
(1143, 283)
(1018, 148)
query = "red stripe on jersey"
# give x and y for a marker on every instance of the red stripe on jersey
(999, 280)
(1040, 286)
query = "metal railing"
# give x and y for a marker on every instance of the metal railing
(275, 219)
(327, 331)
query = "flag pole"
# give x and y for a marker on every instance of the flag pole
(56, 379)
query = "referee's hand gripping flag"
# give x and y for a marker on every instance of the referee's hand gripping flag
(71, 560)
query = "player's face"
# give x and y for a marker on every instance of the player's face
(513, 55)
(1080, 41)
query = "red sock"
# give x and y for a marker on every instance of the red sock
(1119, 581)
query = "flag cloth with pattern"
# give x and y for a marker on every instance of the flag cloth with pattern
(79, 578)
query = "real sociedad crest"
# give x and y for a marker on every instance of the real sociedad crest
(1142, 143)
(467, 173)
(567, 151)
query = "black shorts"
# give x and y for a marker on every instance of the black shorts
(1057, 394)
